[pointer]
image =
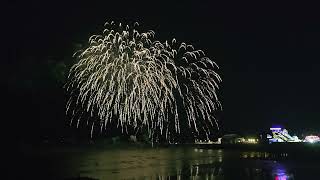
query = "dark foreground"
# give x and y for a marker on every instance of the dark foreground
(174, 162)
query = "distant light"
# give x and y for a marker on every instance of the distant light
(269, 136)
(275, 129)
(312, 139)
(251, 141)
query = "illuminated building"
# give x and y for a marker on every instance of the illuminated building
(251, 140)
(312, 139)
(232, 139)
(281, 135)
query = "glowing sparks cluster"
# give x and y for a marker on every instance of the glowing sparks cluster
(127, 77)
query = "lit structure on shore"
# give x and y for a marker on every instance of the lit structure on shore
(312, 139)
(281, 135)
(251, 140)
(237, 139)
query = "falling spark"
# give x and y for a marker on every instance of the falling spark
(128, 77)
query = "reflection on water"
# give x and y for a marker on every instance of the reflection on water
(166, 163)
(173, 163)
(280, 172)
(237, 169)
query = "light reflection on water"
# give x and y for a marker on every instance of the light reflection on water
(175, 163)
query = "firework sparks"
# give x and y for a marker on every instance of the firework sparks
(129, 77)
(197, 85)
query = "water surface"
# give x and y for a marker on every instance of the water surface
(166, 163)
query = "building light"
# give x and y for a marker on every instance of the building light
(275, 129)
(312, 139)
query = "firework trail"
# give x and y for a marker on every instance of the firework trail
(197, 85)
(129, 77)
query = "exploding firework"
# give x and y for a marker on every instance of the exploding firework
(197, 85)
(127, 77)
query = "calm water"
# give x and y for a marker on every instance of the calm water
(165, 163)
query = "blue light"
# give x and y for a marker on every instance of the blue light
(275, 129)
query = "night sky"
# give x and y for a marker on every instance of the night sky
(268, 55)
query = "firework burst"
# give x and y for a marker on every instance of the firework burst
(197, 85)
(128, 77)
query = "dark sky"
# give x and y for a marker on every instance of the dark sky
(268, 53)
